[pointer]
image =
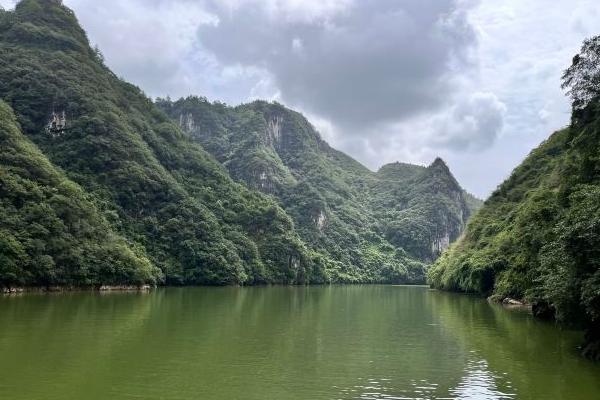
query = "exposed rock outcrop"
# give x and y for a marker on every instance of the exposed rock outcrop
(274, 130)
(320, 220)
(186, 122)
(57, 124)
(106, 288)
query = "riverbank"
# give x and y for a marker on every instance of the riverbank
(511, 304)
(144, 287)
(13, 290)
(590, 347)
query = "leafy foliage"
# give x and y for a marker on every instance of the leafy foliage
(538, 236)
(51, 233)
(582, 78)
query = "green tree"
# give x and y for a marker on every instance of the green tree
(582, 78)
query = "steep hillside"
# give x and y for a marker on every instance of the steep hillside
(163, 193)
(538, 236)
(50, 231)
(370, 225)
(421, 209)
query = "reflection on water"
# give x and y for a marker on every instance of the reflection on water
(383, 388)
(338, 342)
(481, 384)
(478, 383)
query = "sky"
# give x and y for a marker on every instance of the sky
(476, 82)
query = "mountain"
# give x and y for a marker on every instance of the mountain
(370, 226)
(189, 192)
(158, 190)
(422, 209)
(537, 237)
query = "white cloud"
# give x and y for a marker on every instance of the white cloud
(288, 11)
(476, 82)
(523, 48)
(8, 4)
(297, 45)
(356, 63)
(472, 124)
(517, 86)
(153, 45)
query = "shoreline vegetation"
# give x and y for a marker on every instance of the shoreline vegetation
(146, 287)
(507, 302)
(537, 237)
(66, 289)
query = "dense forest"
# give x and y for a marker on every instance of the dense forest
(537, 237)
(50, 232)
(370, 226)
(101, 185)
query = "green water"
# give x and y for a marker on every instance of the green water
(339, 342)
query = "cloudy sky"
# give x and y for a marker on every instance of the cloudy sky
(476, 82)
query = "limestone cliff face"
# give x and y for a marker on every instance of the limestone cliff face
(250, 154)
(440, 243)
(186, 123)
(273, 131)
(451, 222)
(320, 220)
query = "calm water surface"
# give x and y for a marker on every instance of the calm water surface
(338, 342)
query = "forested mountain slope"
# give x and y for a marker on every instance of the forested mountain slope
(273, 203)
(421, 209)
(538, 236)
(50, 232)
(397, 219)
(163, 193)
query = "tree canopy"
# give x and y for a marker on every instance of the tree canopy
(582, 79)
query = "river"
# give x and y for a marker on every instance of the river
(322, 342)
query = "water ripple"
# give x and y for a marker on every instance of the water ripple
(478, 383)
